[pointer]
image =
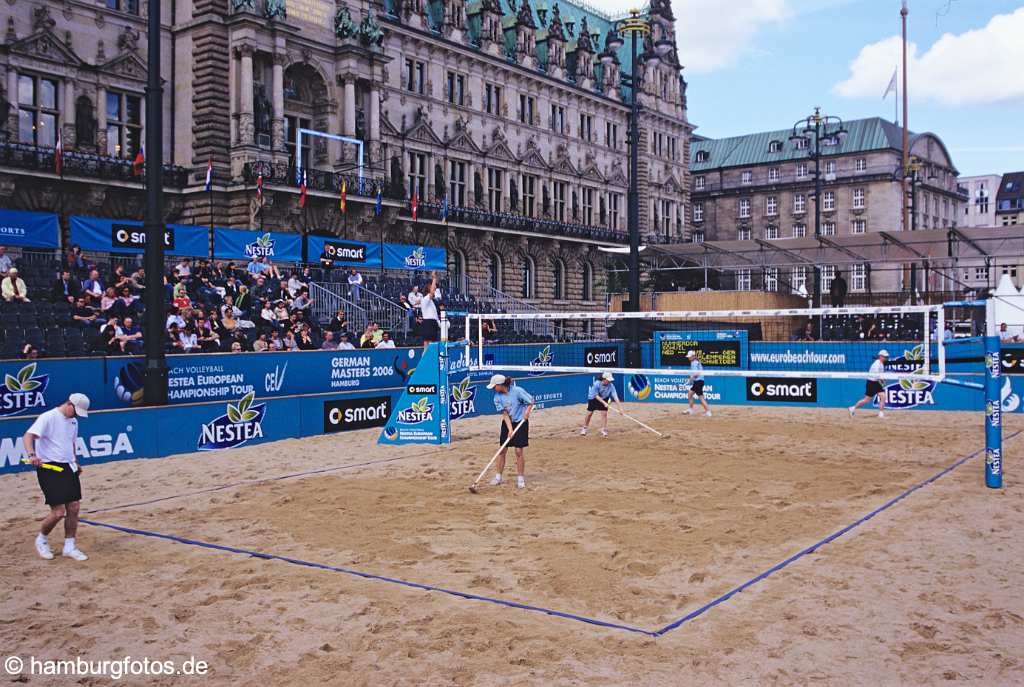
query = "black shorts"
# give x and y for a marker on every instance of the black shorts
(430, 330)
(698, 388)
(595, 404)
(59, 487)
(521, 438)
(872, 388)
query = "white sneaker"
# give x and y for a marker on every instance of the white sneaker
(43, 548)
(583, 431)
(520, 482)
(496, 481)
(687, 412)
(76, 554)
(707, 414)
(604, 432)
(881, 414)
(852, 411)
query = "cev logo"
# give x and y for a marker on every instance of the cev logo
(275, 380)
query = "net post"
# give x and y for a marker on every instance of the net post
(469, 344)
(993, 401)
(927, 342)
(940, 340)
(480, 340)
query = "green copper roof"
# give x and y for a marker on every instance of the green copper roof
(864, 135)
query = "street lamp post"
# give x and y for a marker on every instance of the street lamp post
(821, 128)
(637, 27)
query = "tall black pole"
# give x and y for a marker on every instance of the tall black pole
(817, 206)
(155, 391)
(633, 211)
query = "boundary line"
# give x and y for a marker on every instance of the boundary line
(538, 609)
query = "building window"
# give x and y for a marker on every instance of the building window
(859, 278)
(802, 144)
(415, 72)
(457, 183)
(611, 135)
(494, 271)
(586, 126)
(37, 110)
(557, 119)
(559, 285)
(698, 211)
(828, 228)
(828, 273)
(799, 203)
(703, 156)
(743, 234)
(588, 206)
(771, 206)
(798, 279)
(747, 177)
(771, 232)
(830, 168)
(799, 231)
(529, 194)
(458, 268)
(745, 207)
(774, 174)
(861, 165)
(456, 88)
(614, 200)
(828, 201)
(492, 99)
(560, 191)
(124, 124)
(801, 170)
(858, 199)
(418, 175)
(495, 177)
(771, 279)
(529, 278)
(775, 147)
(527, 106)
(698, 237)
(673, 147)
(588, 282)
(981, 274)
(698, 183)
(129, 6)
(743, 279)
(859, 226)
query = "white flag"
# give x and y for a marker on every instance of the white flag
(891, 88)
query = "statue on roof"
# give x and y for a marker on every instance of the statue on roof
(492, 6)
(525, 15)
(584, 42)
(662, 8)
(611, 36)
(370, 33)
(555, 28)
(344, 26)
(276, 10)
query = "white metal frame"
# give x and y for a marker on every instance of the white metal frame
(923, 374)
(334, 137)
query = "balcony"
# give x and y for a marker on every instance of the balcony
(319, 180)
(511, 222)
(40, 159)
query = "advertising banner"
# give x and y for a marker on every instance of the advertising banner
(716, 348)
(29, 229)
(401, 257)
(336, 251)
(127, 236)
(422, 413)
(238, 244)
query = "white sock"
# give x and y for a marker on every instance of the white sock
(69, 544)
(41, 538)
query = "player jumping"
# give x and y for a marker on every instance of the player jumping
(696, 384)
(600, 397)
(874, 389)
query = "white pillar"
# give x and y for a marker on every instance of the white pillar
(246, 125)
(278, 87)
(373, 115)
(349, 106)
(101, 120)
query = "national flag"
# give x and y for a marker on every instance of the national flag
(379, 205)
(413, 204)
(58, 155)
(343, 198)
(302, 190)
(891, 88)
(259, 190)
(209, 175)
(139, 162)
(444, 209)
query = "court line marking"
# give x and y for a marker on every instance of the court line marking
(538, 609)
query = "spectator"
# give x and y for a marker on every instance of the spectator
(228, 321)
(268, 316)
(415, 297)
(238, 336)
(231, 288)
(94, 284)
(13, 287)
(109, 303)
(127, 300)
(367, 339)
(837, 291)
(174, 335)
(260, 344)
(1005, 336)
(229, 307)
(307, 276)
(217, 326)
(189, 340)
(410, 312)
(174, 317)
(355, 280)
(256, 266)
(338, 323)
(131, 337)
(329, 343)
(118, 278)
(306, 342)
(303, 302)
(343, 343)
(5, 261)
(29, 352)
(490, 330)
(385, 341)
(207, 340)
(275, 341)
(289, 343)
(111, 336)
(65, 288)
(208, 294)
(183, 270)
(272, 270)
(236, 347)
(808, 332)
(294, 284)
(138, 279)
(244, 300)
(83, 315)
(281, 311)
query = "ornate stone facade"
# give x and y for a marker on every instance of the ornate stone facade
(505, 107)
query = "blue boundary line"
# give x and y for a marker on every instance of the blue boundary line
(538, 609)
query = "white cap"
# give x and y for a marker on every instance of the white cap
(607, 376)
(883, 353)
(691, 354)
(81, 404)
(496, 380)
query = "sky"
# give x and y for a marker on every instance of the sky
(758, 65)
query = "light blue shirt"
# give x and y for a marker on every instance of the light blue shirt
(696, 371)
(515, 402)
(605, 391)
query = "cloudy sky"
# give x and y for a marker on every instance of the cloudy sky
(762, 64)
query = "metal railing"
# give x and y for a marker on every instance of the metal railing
(75, 164)
(327, 300)
(499, 301)
(361, 309)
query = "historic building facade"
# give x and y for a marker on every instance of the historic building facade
(511, 120)
(761, 187)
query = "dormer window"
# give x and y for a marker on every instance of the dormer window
(703, 156)
(775, 147)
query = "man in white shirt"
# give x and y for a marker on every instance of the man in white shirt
(415, 297)
(431, 326)
(50, 445)
(874, 386)
(5, 261)
(385, 341)
(1005, 336)
(355, 280)
(344, 344)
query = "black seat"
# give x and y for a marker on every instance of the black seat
(74, 347)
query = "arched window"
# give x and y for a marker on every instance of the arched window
(458, 268)
(559, 269)
(494, 271)
(703, 156)
(529, 278)
(588, 282)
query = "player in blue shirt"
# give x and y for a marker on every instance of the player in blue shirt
(602, 388)
(515, 405)
(696, 384)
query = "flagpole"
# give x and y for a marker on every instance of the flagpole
(906, 135)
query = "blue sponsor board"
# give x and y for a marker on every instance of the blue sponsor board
(128, 236)
(29, 229)
(238, 244)
(421, 415)
(402, 257)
